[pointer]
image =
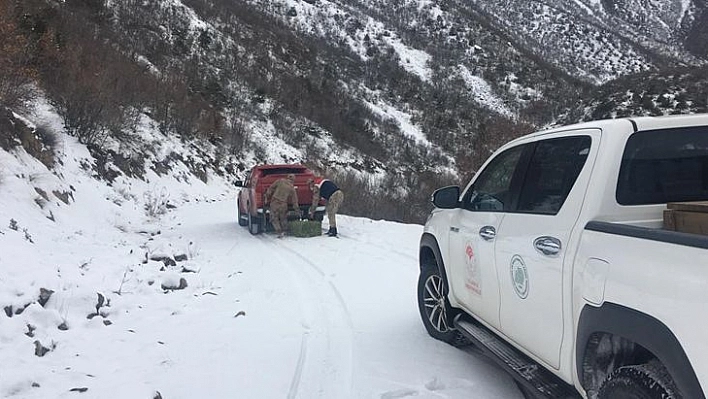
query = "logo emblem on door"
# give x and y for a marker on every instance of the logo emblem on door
(519, 277)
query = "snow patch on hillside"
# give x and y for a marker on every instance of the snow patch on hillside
(482, 92)
(362, 33)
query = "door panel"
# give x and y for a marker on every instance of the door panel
(532, 242)
(472, 236)
(474, 278)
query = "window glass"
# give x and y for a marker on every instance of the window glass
(282, 171)
(551, 174)
(669, 165)
(491, 190)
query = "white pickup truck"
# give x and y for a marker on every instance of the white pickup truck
(553, 261)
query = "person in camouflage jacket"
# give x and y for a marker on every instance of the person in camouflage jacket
(279, 195)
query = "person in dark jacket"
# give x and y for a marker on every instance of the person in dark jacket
(279, 195)
(323, 188)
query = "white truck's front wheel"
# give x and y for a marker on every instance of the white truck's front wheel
(434, 308)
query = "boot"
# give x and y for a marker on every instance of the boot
(332, 232)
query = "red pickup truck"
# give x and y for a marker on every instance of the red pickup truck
(251, 209)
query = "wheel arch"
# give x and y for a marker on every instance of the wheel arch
(627, 329)
(429, 249)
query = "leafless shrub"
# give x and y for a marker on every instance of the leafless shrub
(156, 202)
(16, 72)
(46, 136)
(404, 197)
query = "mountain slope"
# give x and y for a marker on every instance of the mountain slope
(392, 98)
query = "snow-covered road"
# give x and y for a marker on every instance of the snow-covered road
(324, 317)
(260, 317)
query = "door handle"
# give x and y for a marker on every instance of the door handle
(488, 233)
(548, 245)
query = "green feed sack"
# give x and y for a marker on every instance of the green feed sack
(305, 228)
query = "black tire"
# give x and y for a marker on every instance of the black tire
(242, 219)
(644, 381)
(255, 225)
(435, 310)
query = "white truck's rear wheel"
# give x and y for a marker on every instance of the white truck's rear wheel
(644, 381)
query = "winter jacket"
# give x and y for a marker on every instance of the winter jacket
(323, 188)
(282, 190)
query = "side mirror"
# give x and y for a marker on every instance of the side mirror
(446, 197)
(238, 183)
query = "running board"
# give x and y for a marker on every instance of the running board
(534, 378)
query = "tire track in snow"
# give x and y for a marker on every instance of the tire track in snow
(324, 365)
(319, 271)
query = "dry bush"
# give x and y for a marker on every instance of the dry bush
(491, 134)
(16, 73)
(237, 136)
(402, 198)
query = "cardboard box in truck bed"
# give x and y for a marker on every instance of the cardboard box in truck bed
(687, 217)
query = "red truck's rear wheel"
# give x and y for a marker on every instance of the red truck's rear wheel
(242, 218)
(255, 224)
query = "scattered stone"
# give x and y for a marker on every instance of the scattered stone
(81, 390)
(210, 293)
(189, 269)
(63, 327)
(107, 322)
(63, 196)
(240, 313)
(42, 193)
(30, 330)
(20, 310)
(158, 395)
(8, 311)
(182, 285)
(101, 300)
(39, 349)
(181, 257)
(35, 385)
(166, 260)
(44, 295)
